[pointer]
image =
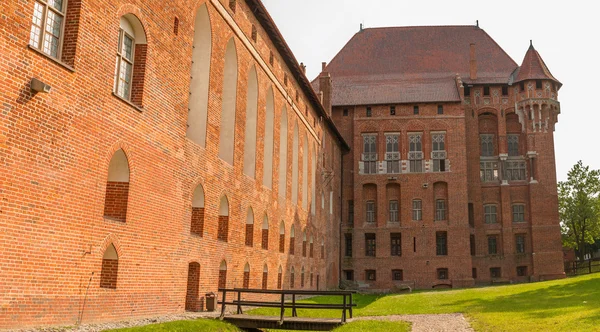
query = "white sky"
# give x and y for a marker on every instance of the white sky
(565, 34)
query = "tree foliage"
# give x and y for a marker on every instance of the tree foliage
(579, 208)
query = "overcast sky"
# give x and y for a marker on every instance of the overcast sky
(565, 33)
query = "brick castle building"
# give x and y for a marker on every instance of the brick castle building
(151, 154)
(451, 178)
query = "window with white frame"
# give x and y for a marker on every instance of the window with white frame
(369, 156)
(488, 171)
(438, 151)
(513, 145)
(125, 60)
(48, 26)
(417, 210)
(518, 211)
(489, 212)
(487, 145)
(440, 209)
(370, 208)
(392, 153)
(515, 170)
(393, 211)
(415, 152)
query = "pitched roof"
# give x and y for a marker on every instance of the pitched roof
(533, 67)
(413, 64)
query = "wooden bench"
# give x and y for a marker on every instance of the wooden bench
(292, 323)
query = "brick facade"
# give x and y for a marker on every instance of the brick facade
(60, 213)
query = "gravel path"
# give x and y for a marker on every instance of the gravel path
(429, 323)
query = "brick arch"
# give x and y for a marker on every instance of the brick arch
(107, 241)
(129, 153)
(131, 9)
(490, 110)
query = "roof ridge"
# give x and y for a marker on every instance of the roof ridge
(424, 26)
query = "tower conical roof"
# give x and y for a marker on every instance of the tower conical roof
(534, 68)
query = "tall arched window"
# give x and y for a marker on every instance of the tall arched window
(110, 268)
(130, 66)
(302, 278)
(227, 128)
(295, 143)
(265, 277)
(250, 227)
(117, 188)
(292, 240)
(250, 137)
(200, 82)
(311, 248)
(246, 281)
(223, 274)
(305, 155)
(304, 244)
(268, 148)
(282, 237)
(265, 233)
(292, 281)
(197, 224)
(283, 152)
(279, 277)
(223, 228)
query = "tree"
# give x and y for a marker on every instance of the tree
(579, 208)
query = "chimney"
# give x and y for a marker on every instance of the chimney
(325, 88)
(473, 64)
(303, 66)
(361, 28)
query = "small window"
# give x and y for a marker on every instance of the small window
(486, 90)
(471, 215)
(351, 212)
(396, 244)
(441, 240)
(417, 212)
(369, 112)
(538, 84)
(370, 246)
(520, 243)
(442, 274)
(522, 86)
(392, 110)
(254, 33)
(518, 211)
(414, 244)
(285, 79)
(416, 110)
(393, 210)
(370, 275)
(271, 58)
(493, 245)
(440, 110)
(440, 209)
(232, 5)
(495, 272)
(505, 91)
(349, 274)
(397, 275)
(472, 244)
(348, 240)
(176, 26)
(345, 112)
(370, 208)
(490, 214)
(521, 271)
(474, 273)
(467, 91)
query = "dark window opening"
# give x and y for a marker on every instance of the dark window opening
(467, 91)
(392, 110)
(369, 112)
(495, 272)
(440, 110)
(505, 91)
(522, 86)
(441, 240)
(176, 26)
(521, 271)
(538, 84)
(370, 275)
(395, 244)
(442, 274)
(471, 215)
(345, 113)
(397, 275)
(370, 246)
(414, 244)
(254, 33)
(348, 238)
(349, 275)
(486, 90)
(474, 273)
(472, 244)
(416, 110)
(350, 213)
(271, 58)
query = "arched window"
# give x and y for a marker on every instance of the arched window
(223, 274)
(283, 151)
(110, 268)
(313, 185)
(250, 228)
(227, 128)
(197, 224)
(130, 68)
(292, 278)
(295, 143)
(302, 278)
(192, 302)
(200, 82)
(282, 237)
(322, 248)
(265, 277)
(292, 241)
(268, 149)
(440, 199)
(223, 229)
(265, 233)
(304, 244)
(311, 248)
(250, 137)
(117, 188)
(279, 277)
(246, 283)
(305, 155)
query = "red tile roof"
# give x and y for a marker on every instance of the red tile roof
(533, 67)
(413, 64)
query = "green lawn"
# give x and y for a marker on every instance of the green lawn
(219, 326)
(564, 305)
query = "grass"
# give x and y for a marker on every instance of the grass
(561, 305)
(219, 326)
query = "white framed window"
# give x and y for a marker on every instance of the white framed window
(369, 156)
(392, 153)
(513, 145)
(370, 208)
(47, 26)
(515, 170)
(490, 214)
(393, 211)
(487, 145)
(125, 61)
(415, 152)
(438, 151)
(417, 209)
(518, 211)
(440, 209)
(488, 171)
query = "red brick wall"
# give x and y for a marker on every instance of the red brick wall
(282, 243)
(72, 22)
(197, 224)
(265, 239)
(139, 74)
(292, 245)
(265, 280)
(223, 231)
(246, 281)
(192, 300)
(109, 273)
(249, 234)
(115, 203)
